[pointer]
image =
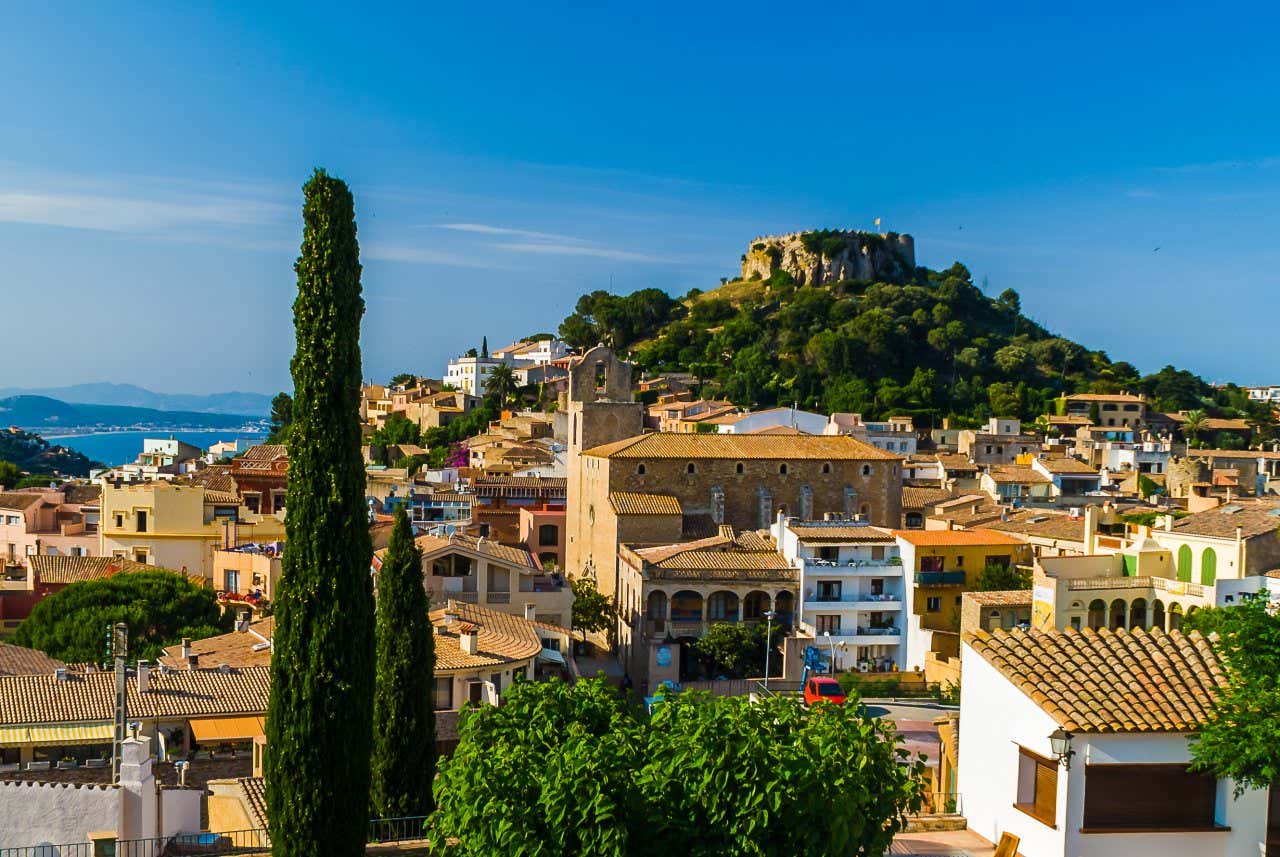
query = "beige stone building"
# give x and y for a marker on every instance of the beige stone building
(675, 592)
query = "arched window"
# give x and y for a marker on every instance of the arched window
(1138, 613)
(691, 468)
(1175, 617)
(1157, 614)
(1208, 566)
(1097, 614)
(782, 468)
(826, 467)
(640, 469)
(739, 468)
(866, 470)
(1117, 614)
(1184, 563)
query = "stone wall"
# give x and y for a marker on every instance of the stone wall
(862, 256)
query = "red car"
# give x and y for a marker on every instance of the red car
(825, 689)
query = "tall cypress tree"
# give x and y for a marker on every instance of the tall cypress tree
(404, 720)
(319, 719)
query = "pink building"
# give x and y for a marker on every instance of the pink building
(44, 521)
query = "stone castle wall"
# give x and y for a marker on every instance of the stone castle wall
(864, 256)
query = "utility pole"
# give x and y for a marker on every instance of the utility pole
(120, 652)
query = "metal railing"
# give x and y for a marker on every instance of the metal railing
(939, 577)
(231, 843)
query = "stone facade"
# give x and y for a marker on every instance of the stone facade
(863, 256)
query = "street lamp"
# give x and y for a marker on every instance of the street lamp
(768, 639)
(832, 644)
(1060, 743)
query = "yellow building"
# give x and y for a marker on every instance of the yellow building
(179, 526)
(939, 567)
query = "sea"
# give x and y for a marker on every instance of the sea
(121, 447)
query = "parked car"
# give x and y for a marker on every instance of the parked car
(825, 689)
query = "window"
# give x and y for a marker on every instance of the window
(142, 521)
(828, 623)
(691, 468)
(866, 470)
(548, 534)
(960, 561)
(231, 580)
(1148, 797)
(1038, 787)
(140, 557)
(640, 470)
(988, 450)
(739, 469)
(782, 468)
(931, 563)
(932, 604)
(443, 695)
(826, 467)
(828, 590)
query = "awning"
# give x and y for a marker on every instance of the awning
(55, 736)
(551, 656)
(227, 728)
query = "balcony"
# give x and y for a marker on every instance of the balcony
(858, 567)
(855, 601)
(940, 578)
(864, 636)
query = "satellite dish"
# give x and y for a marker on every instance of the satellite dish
(450, 530)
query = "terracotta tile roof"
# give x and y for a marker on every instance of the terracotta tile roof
(265, 452)
(76, 569)
(16, 660)
(432, 545)
(1253, 517)
(254, 792)
(749, 554)
(918, 498)
(1110, 681)
(84, 495)
(633, 503)
(90, 696)
(1001, 598)
(943, 538)
(1041, 524)
(18, 501)
(1106, 397)
(221, 498)
(1233, 453)
(529, 481)
(1013, 473)
(215, 477)
(777, 431)
(844, 531)
(235, 649)
(501, 639)
(957, 462)
(1066, 465)
(741, 446)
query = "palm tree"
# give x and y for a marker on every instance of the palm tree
(501, 384)
(1193, 423)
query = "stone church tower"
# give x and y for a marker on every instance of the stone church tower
(600, 409)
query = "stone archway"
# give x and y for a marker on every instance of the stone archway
(1097, 614)
(1118, 614)
(722, 606)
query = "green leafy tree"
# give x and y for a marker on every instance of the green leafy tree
(1194, 425)
(562, 769)
(1241, 740)
(403, 378)
(999, 578)
(10, 473)
(281, 418)
(500, 386)
(319, 721)
(404, 727)
(738, 648)
(1095, 414)
(593, 612)
(484, 347)
(397, 429)
(159, 606)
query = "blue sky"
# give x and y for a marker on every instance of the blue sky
(507, 159)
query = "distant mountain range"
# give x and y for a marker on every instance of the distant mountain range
(128, 395)
(48, 416)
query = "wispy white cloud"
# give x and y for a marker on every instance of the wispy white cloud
(133, 213)
(528, 234)
(426, 256)
(582, 250)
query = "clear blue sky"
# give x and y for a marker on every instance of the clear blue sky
(506, 160)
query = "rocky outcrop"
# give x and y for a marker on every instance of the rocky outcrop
(829, 256)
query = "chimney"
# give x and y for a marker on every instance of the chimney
(60, 673)
(144, 677)
(1090, 527)
(186, 648)
(193, 661)
(242, 620)
(530, 611)
(1167, 521)
(468, 638)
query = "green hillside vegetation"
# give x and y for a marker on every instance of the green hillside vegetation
(32, 454)
(931, 346)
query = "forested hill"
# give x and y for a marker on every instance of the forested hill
(930, 345)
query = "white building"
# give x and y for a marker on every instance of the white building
(470, 375)
(802, 421)
(1264, 394)
(1120, 708)
(535, 353)
(851, 590)
(896, 434)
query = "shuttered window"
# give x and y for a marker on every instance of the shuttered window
(1148, 797)
(1037, 787)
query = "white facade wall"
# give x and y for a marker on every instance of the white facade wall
(55, 813)
(470, 374)
(996, 719)
(804, 421)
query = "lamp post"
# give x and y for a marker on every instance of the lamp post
(1060, 743)
(768, 640)
(832, 644)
